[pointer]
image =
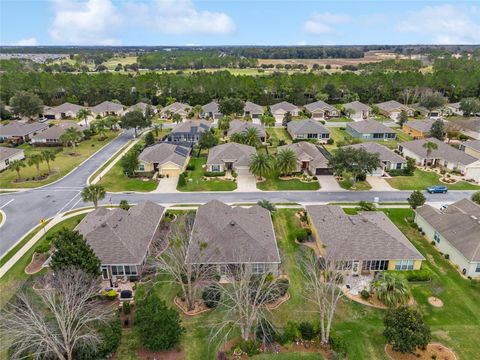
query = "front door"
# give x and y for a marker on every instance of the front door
(104, 272)
(355, 267)
(228, 165)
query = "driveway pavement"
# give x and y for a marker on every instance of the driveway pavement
(329, 183)
(246, 183)
(167, 185)
(379, 184)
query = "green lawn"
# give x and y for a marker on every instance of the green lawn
(422, 179)
(339, 119)
(358, 186)
(289, 356)
(116, 180)
(277, 134)
(273, 183)
(64, 162)
(112, 63)
(198, 184)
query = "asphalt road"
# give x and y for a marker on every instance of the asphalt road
(25, 209)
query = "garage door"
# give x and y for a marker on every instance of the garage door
(323, 171)
(170, 172)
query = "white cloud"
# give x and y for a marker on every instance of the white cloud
(325, 23)
(445, 24)
(26, 42)
(180, 17)
(90, 22)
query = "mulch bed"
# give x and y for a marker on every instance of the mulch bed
(36, 264)
(278, 302)
(161, 355)
(435, 302)
(433, 351)
(199, 307)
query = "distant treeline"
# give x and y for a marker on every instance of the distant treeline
(392, 65)
(455, 78)
(299, 52)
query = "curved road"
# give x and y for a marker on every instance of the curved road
(25, 209)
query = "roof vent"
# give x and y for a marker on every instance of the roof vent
(104, 224)
(232, 223)
(473, 217)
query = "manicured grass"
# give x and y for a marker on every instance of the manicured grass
(401, 136)
(112, 63)
(289, 356)
(294, 184)
(339, 119)
(116, 180)
(64, 162)
(195, 180)
(277, 134)
(422, 179)
(358, 186)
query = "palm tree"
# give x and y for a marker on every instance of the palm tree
(197, 110)
(35, 160)
(429, 146)
(391, 289)
(251, 137)
(177, 117)
(93, 193)
(16, 165)
(261, 164)
(48, 155)
(111, 121)
(238, 138)
(101, 126)
(286, 162)
(71, 136)
(83, 114)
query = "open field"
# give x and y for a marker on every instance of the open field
(114, 61)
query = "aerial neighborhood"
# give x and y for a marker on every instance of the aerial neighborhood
(230, 203)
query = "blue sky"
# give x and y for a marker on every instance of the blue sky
(238, 22)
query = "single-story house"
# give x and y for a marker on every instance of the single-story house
(455, 108)
(164, 158)
(228, 237)
(358, 111)
(445, 155)
(107, 108)
(51, 136)
(175, 108)
(364, 243)
(8, 154)
(253, 110)
(389, 159)
(392, 109)
(141, 106)
(370, 130)
(239, 126)
(280, 109)
(470, 127)
(471, 147)
(121, 238)
(418, 129)
(66, 110)
(308, 129)
(17, 132)
(230, 156)
(211, 111)
(320, 110)
(456, 232)
(309, 157)
(188, 131)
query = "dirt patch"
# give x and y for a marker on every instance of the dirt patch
(432, 261)
(161, 355)
(36, 264)
(371, 301)
(435, 302)
(199, 307)
(433, 351)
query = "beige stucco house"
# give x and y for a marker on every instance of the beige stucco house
(166, 159)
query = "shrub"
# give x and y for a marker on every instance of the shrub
(447, 256)
(265, 332)
(330, 141)
(290, 333)
(124, 205)
(433, 243)
(366, 206)
(43, 247)
(250, 347)
(211, 296)
(126, 307)
(364, 294)
(307, 331)
(301, 235)
(418, 275)
(190, 167)
(110, 294)
(282, 286)
(214, 174)
(337, 343)
(182, 181)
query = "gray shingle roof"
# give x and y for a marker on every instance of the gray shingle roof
(225, 234)
(141, 106)
(119, 236)
(370, 127)
(469, 124)
(384, 153)
(443, 151)
(65, 107)
(238, 126)
(306, 151)
(366, 236)
(421, 125)
(253, 108)
(15, 128)
(212, 107)
(284, 105)
(357, 106)
(191, 126)
(459, 224)
(163, 153)
(307, 126)
(473, 144)
(238, 153)
(58, 130)
(176, 107)
(391, 105)
(318, 105)
(107, 106)
(7, 152)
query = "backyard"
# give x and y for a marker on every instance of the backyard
(422, 179)
(64, 162)
(276, 134)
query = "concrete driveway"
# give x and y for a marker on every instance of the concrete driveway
(329, 183)
(379, 184)
(246, 183)
(167, 185)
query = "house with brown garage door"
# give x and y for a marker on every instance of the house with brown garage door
(309, 157)
(66, 110)
(361, 244)
(320, 110)
(230, 157)
(164, 158)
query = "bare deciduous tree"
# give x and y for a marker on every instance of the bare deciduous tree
(410, 95)
(321, 288)
(58, 319)
(171, 262)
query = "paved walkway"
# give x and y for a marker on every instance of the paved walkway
(246, 183)
(329, 183)
(379, 184)
(167, 185)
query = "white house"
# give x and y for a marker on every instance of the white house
(7, 155)
(280, 109)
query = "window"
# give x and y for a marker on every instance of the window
(375, 265)
(215, 168)
(399, 165)
(117, 270)
(312, 136)
(404, 265)
(258, 268)
(130, 270)
(478, 268)
(378, 136)
(325, 135)
(343, 265)
(141, 167)
(436, 237)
